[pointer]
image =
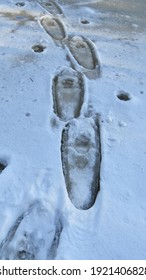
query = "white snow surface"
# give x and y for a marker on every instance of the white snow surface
(30, 132)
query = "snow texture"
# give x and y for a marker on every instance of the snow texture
(72, 126)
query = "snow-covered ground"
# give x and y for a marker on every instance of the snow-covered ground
(72, 129)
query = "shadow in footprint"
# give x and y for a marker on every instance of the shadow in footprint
(81, 157)
(68, 94)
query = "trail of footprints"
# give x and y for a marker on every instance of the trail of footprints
(33, 234)
(80, 50)
(80, 144)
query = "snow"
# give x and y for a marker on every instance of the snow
(38, 220)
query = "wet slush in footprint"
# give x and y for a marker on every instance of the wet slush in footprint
(83, 50)
(68, 94)
(81, 156)
(54, 27)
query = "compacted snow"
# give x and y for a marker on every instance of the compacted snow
(72, 126)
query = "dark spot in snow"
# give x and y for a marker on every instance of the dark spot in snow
(20, 4)
(38, 48)
(27, 114)
(49, 5)
(24, 255)
(22, 16)
(2, 166)
(54, 122)
(124, 96)
(85, 21)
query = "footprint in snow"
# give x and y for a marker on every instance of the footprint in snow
(54, 27)
(33, 236)
(81, 156)
(68, 94)
(52, 7)
(84, 52)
